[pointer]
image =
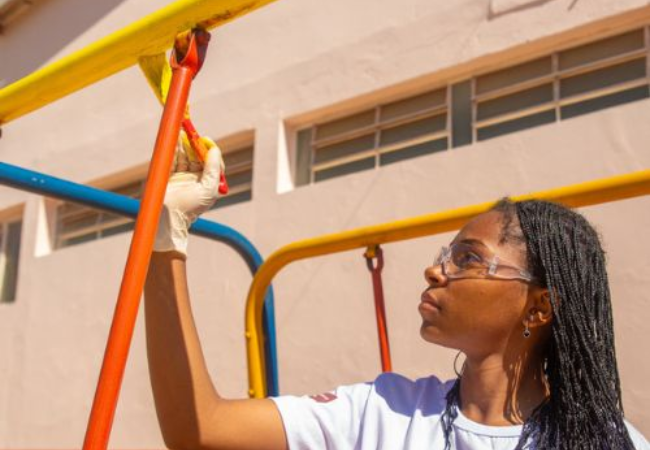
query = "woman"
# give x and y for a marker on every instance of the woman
(521, 291)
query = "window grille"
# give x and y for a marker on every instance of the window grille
(382, 135)
(567, 83)
(239, 172)
(564, 84)
(76, 224)
(10, 235)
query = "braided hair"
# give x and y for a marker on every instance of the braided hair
(584, 409)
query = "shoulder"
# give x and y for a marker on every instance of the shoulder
(391, 388)
(405, 395)
(379, 413)
(397, 380)
(399, 384)
(389, 392)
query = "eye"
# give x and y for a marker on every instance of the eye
(465, 257)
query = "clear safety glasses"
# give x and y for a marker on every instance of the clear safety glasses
(462, 260)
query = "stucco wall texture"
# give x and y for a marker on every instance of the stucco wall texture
(280, 67)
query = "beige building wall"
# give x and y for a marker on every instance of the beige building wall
(291, 64)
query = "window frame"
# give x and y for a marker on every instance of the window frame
(375, 129)
(239, 142)
(621, 85)
(555, 78)
(100, 225)
(5, 223)
(240, 168)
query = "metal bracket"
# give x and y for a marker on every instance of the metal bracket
(189, 50)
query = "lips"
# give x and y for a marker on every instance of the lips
(429, 302)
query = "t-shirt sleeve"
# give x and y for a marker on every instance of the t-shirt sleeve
(327, 421)
(640, 442)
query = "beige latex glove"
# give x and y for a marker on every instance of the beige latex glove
(193, 188)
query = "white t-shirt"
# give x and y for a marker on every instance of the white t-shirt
(391, 413)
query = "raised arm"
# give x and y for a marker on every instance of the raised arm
(191, 413)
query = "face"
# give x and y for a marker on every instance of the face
(475, 315)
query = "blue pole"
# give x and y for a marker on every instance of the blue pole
(119, 204)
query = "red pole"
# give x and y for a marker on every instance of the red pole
(199, 148)
(380, 310)
(135, 271)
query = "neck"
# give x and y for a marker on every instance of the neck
(500, 392)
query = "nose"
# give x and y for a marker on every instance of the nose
(435, 276)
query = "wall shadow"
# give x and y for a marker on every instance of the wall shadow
(495, 14)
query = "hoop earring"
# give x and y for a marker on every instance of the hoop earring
(458, 374)
(526, 331)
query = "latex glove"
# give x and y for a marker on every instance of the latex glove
(193, 188)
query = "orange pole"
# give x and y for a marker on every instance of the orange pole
(137, 264)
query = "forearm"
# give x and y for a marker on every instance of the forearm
(183, 392)
(191, 413)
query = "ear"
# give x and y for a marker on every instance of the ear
(539, 311)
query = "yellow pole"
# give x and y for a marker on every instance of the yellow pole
(584, 194)
(148, 36)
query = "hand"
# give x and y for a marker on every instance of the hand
(193, 188)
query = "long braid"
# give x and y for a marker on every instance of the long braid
(451, 411)
(585, 408)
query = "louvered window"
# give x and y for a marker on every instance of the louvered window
(562, 85)
(382, 135)
(10, 236)
(77, 223)
(604, 73)
(239, 172)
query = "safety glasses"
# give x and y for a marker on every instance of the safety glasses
(461, 260)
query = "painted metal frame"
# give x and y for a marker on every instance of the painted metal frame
(39, 183)
(150, 35)
(585, 194)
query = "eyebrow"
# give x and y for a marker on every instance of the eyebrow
(474, 242)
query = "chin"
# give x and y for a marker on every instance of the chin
(432, 334)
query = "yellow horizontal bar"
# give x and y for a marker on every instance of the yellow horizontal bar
(584, 194)
(148, 36)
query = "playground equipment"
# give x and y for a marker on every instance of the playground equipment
(97, 61)
(40, 183)
(584, 194)
(372, 253)
(151, 35)
(140, 43)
